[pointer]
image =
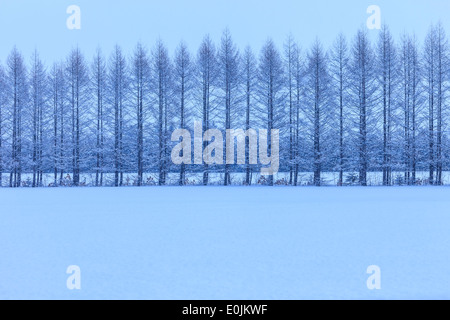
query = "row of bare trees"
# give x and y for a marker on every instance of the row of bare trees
(353, 108)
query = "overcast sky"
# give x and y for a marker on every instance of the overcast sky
(31, 24)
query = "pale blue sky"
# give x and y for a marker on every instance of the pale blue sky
(41, 24)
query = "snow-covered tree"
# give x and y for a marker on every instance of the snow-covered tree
(229, 80)
(249, 82)
(436, 66)
(442, 82)
(140, 82)
(410, 101)
(162, 69)
(387, 70)
(38, 84)
(17, 96)
(183, 86)
(318, 111)
(58, 96)
(289, 61)
(207, 75)
(118, 95)
(98, 85)
(270, 92)
(363, 89)
(339, 71)
(77, 76)
(2, 113)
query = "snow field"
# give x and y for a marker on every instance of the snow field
(225, 243)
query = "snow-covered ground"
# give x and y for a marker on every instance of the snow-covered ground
(225, 243)
(216, 178)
